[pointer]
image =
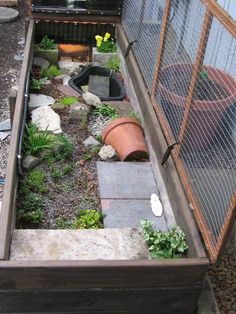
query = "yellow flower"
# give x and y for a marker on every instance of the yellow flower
(99, 40)
(107, 36)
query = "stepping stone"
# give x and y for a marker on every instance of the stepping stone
(68, 91)
(129, 213)
(99, 85)
(8, 14)
(5, 125)
(80, 244)
(123, 108)
(126, 180)
(40, 100)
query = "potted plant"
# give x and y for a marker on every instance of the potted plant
(125, 135)
(47, 49)
(215, 91)
(105, 49)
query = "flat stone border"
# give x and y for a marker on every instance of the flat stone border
(8, 14)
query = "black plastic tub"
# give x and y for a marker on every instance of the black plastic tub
(117, 90)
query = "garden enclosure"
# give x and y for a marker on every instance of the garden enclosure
(186, 52)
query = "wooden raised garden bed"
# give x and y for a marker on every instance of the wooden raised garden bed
(100, 286)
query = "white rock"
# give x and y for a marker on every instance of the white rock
(156, 205)
(40, 100)
(70, 67)
(107, 152)
(91, 142)
(47, 119)
(91, 99)
(41, 62)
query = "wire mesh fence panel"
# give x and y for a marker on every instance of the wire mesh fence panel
(179, 53)
(228, 6)
(208, 148)
(141, 20)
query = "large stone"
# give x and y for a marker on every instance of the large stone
(101, 244)
(8, 14)
(41, 62)
(91, 142)
(107, 152)
(40, 100)
(46, 119)
(69, 67)
(99, 85)
(79, 112)
(30, 162)
(91, 99)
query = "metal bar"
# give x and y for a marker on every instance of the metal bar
(227, 225)
(161, 46)
(196, 68)
(221, 15)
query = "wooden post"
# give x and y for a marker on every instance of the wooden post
(196, 69)
(12, 104)
(162, 46)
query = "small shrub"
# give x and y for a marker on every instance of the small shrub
(35, 179)
(34, 217)
(67, 147)
(87, 156)
(35, 141)
(68, 169)
(47, 43)
(105, 110)
(36, 85)
(113, 64)
(62, 223)
(88, 219)
(68, 101)
(56, 173)
(170, 244)
(51, 72)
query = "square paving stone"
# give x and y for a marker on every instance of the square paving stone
(99, 85)
(129, 213)
(126, 180)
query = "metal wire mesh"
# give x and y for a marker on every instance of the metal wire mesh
(142, 22)
(195, 91)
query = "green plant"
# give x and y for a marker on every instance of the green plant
(68, 169)
(113, 64)
(35, 141)
(105, 44)
(47, 43)
(35, 179)
(135, 115)
(51, 72)
(105, 110)
(87, 156)
(88, 219)
(67, 147)
(56, 173)
(30, 209)
(36, 84)
(98, 137)
(171, 244)
(62, 223)
(68, 101)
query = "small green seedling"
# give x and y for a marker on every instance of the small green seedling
(105, 110)
(51, 72)
(68, 101)
(88, 219)
(47, 43)
(113, 64)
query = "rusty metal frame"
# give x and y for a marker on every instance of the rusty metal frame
(212, 10)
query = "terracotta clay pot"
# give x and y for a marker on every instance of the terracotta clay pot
(205, 115)
(125, 135)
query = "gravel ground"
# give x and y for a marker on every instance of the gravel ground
(11, 44)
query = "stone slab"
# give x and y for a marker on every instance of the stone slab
(68, 91)
(124, 108)
(9, 3)
(126, 180)
(99, 85)
(129, 213)
(5, 125)
(101, 244)
(40, 100)
(4, 135)
(8, 14)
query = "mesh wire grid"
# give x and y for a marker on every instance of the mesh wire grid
(208, 137)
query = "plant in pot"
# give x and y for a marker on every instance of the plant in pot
(47, 49)
(105, 49)
(215, 92)
(126, 136)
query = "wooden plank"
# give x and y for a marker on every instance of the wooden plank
(27, 275)
(77, 19)
(136, 301)
(228, 225)
(221, 15)
(158, 147)
(6, 214)
(163, 32)
(206, 27)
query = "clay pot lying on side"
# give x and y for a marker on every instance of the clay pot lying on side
(125, 135)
